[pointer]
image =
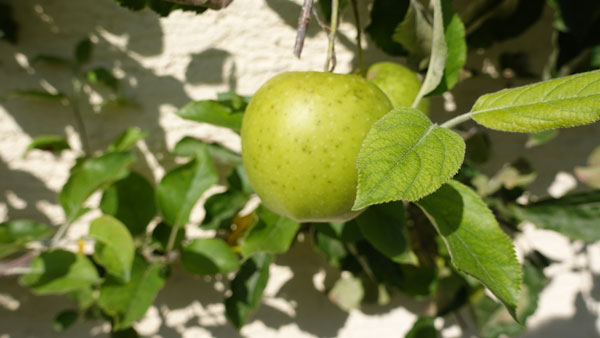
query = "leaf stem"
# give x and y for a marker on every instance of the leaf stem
(457, 120)
(331, 59)
(63, 229)
(359, 50)
(171, 242)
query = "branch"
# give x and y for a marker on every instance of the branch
(331, 59)
(303, 21)
(212, 4)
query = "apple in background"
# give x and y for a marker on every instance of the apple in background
(400, 84)
(301, 134)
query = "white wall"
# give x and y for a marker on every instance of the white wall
(165, 63)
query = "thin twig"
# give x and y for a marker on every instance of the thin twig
(359, 51)
(212, 4)
(331, 59)
(171, 242)
(303, 21)
(74, 102)
(7, 269)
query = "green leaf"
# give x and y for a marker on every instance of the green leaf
(208, 256)
(127, 139)
(415, 33)
(35, 94)
(114, 248)
(222, 208)
(574, 215)
(127, 303)
(15, 234)
(272, 233)
(347, 292)
(439, 55)
(130, 200)
(454, 32)
(423, 328)
(383, 226)
(8, 26)
(52, 143)
(405, 157)
(65, 320)
(83, 51)
(59, 271)
(564, 102)
(213, 112)
(476, 244)
(103, 77)
(161, 234)
(181, 188)
(91, 175)
(247, 288)
(386, 15)
(129, 332)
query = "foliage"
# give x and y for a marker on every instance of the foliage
(430, 227)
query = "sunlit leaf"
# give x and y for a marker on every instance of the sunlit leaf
(180, 188)
(59, 271)
(563, 102)
(405, 157)
(91, 175)
(114, 248)
(15, 234)
(476, 244)
(52, 143)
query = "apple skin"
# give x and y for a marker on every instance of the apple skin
(301, 134)
(399, 83)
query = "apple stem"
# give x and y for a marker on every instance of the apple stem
(303, 21)
(359, 50)
(331, 59)
(456, 120)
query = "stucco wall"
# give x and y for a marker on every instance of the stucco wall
(165, 63)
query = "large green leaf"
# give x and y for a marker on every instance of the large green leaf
(576, 215)
(476, 244)
(190, 146)
(60, 271)
(114, 248)
(454, 32)
(83, 51)
(128, 302)
(383, 226)
(247, 288)
(405, 157)
(439, 54)
(15, 234)
(563, 102)
(272, 233)
(130, 200)
(208, 256)
(213, 112)
(91, 175)
(181, 188)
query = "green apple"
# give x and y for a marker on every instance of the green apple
(399, 83)
(301, 134)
